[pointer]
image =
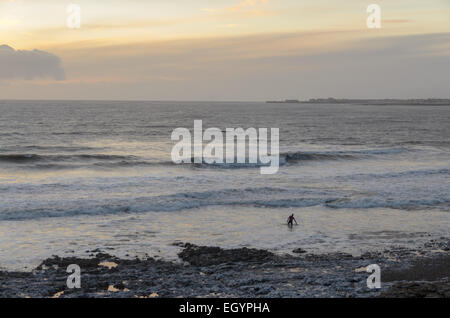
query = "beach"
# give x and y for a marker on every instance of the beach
(215, 272)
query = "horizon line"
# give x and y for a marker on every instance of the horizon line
(222, 101)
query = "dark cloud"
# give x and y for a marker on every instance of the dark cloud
(20, 64)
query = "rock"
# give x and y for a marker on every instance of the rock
(439, 289)
(299, 251)
(243, 272)
(206, 256)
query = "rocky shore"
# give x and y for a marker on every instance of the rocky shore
(244, 272)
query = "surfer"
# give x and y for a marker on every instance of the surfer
(291, 219)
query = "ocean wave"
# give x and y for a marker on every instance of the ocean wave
(392, 175)
(301, 156)
(48, 148)
(44, 161)
(308, 156)
(339, 154)
(25, 158)
(258, 197)
(264, 197)
(20, 158)
(370, 203)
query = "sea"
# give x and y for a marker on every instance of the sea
(77, 176)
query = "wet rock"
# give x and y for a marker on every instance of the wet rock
(205, 256)
(439, 289)
(427, 269)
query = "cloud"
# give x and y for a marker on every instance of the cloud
(252, 7)
(248, 3)
(254, 67)
(28, 65)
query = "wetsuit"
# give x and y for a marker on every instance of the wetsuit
(290, 220)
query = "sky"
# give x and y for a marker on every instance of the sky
(221, 50)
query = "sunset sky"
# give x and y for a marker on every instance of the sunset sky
(224, 50)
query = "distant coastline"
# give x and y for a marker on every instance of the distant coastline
(286, 101)
(428, 101)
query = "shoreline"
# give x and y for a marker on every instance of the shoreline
(243, 272)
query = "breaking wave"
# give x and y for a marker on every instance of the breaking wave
(70, 161)
(265, 197)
